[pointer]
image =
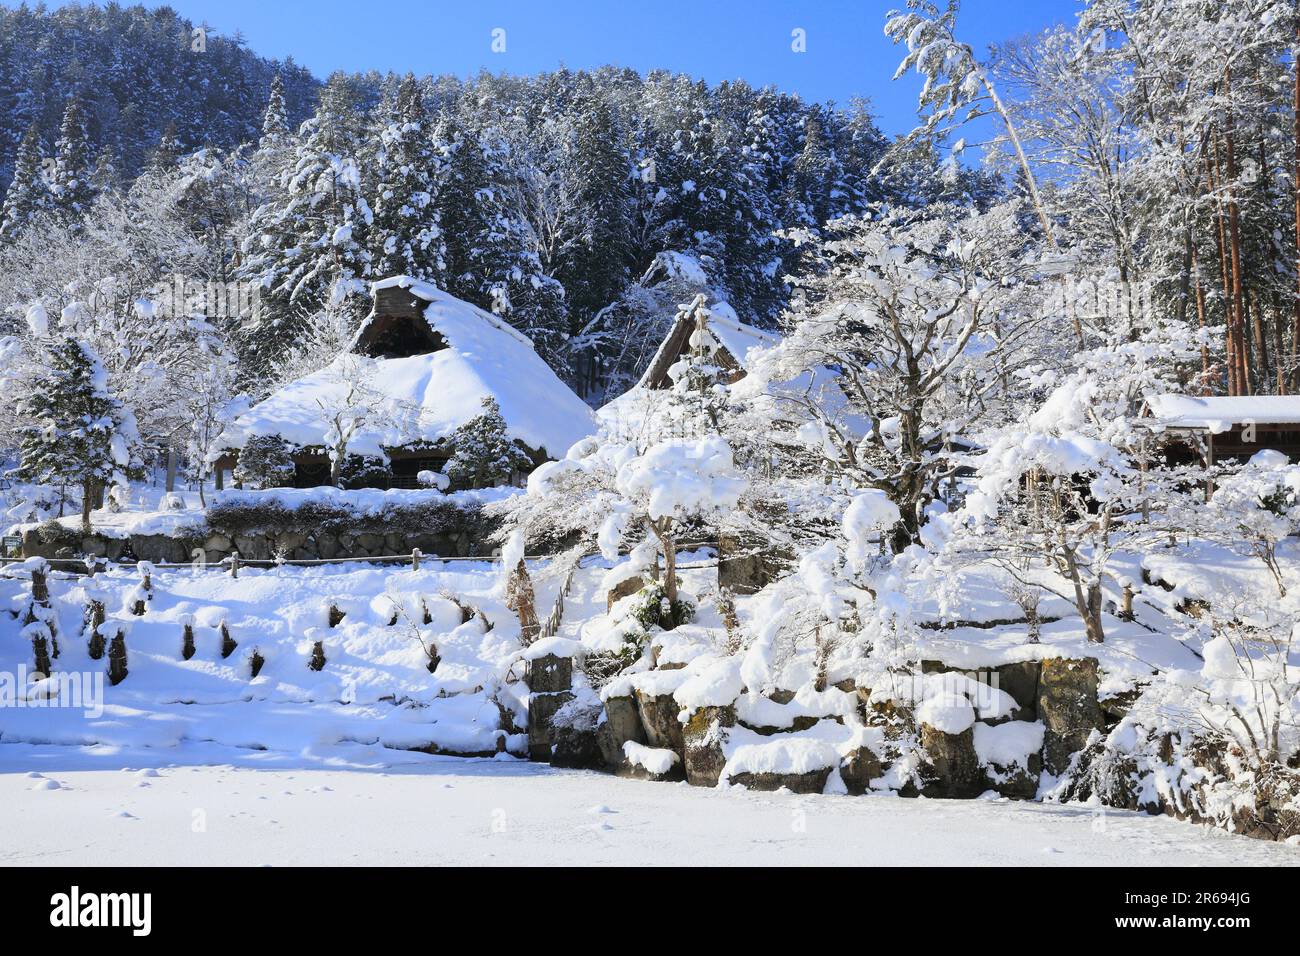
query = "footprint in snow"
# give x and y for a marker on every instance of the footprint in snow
(600, 808)
(1052, 849)
(123, 815)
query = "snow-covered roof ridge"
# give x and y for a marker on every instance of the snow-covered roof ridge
(437, 297)
(422, 399)
(732, 334)
(1221, 412)
(737, 337)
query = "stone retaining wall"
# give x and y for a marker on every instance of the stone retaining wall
(1057, 694)
(257, 546)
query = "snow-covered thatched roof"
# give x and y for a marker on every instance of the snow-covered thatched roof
(422, 398)
(735, 338)
(1219, 413)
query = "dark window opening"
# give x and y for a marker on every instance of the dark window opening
(390, 336)
(311, 474)
(405, 471)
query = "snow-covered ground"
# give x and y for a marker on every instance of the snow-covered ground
(417, 809)
(197, 761)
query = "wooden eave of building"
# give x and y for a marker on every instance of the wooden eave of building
(674, 346)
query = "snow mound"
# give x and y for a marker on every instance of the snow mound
(652, 759)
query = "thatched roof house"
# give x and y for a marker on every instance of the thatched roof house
(734, 339)
(418, 369)
(1220, 427)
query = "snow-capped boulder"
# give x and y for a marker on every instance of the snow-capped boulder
(649, 763)
(954, 765)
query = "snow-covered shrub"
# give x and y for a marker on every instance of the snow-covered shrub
(433, 479)
(1221, 745)
(53, 532)
(363, 471)
(483, 454)
(265, 461)
(628, 632)
(1259, 506)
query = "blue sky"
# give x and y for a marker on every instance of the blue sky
(847, 52)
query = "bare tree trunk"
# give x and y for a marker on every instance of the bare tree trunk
(521, 599)
(1087, 600)
(1200, 321)
(171, 470)
(1092, 621)
(1295, 180)
(1030, 182)
(1261, 340)
(663, 531)
(1225, 271)
(88, 489)
(1279, 345)
(670, 568)
(1234, 240)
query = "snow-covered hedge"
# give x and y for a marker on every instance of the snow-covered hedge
(357, 512)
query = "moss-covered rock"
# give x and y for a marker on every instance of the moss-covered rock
(541, 729)
(549, 674)
(658, 713)
(1068, 706)
(703, 737)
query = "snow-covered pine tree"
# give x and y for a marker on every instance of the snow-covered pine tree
(601, 173)
(721, 212)
(79, 433)
(168, 151)
(265, 461)
(307, 244)
(275, 122)
(106, 176)
(491, 248)
(814, 173)
(698, 396)
(485, 456)
(28, 192)
(406, 237)
(71, 187)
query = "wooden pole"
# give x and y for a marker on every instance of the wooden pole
(1234, 239)
(1295, 180)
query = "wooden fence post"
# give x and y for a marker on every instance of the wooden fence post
(228, 643)
(40, 584)
(117, 658)
(94, 621)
